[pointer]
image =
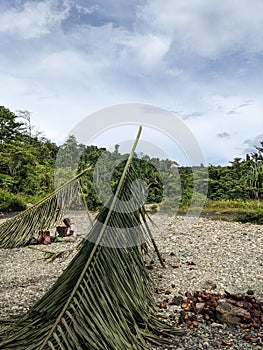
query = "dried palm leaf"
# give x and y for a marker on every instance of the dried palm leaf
(103, 300)
(18, 230)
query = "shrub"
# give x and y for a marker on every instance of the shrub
(255, 217)
(11, 202)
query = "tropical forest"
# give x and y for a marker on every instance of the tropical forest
(28, 162)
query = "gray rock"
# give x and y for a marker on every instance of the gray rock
(199, 306)
(231, 314)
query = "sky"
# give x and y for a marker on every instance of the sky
(200, 60)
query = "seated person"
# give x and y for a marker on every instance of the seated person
(65, 233)
(42, 237)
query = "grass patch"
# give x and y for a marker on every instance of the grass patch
(231, 206)
(235, 210)
(224, 210)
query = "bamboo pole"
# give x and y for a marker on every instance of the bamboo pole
(152, 239)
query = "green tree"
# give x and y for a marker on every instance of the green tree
(254, 172)
(10, 128)
(26, 162)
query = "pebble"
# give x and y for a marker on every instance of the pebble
(205, 254)
(214, 256)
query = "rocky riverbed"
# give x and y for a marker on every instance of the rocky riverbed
(204, 259)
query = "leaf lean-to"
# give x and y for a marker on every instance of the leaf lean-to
(18, 230)
(103, 300)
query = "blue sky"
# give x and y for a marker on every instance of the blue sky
(199, 59)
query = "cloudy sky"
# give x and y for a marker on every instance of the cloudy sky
(202, 60)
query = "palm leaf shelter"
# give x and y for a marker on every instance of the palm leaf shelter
(104, 298)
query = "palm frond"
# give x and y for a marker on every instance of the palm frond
(18, 230)
(104, 299)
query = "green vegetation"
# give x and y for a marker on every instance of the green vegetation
(10, 201)
(28, 160)
(231, 206)
(238, 210)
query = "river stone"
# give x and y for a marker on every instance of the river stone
(230, 314)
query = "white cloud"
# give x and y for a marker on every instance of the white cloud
(208, 28)
(34, 20)
(125, 50)
(238, 128)
(86, 9)
(66, 63)
(147, 49)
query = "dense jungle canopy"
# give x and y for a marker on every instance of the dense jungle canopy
(28, 161)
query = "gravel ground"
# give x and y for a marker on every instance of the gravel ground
(214, 256)
(200, 255)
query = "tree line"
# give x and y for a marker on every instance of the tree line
(29, 162)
